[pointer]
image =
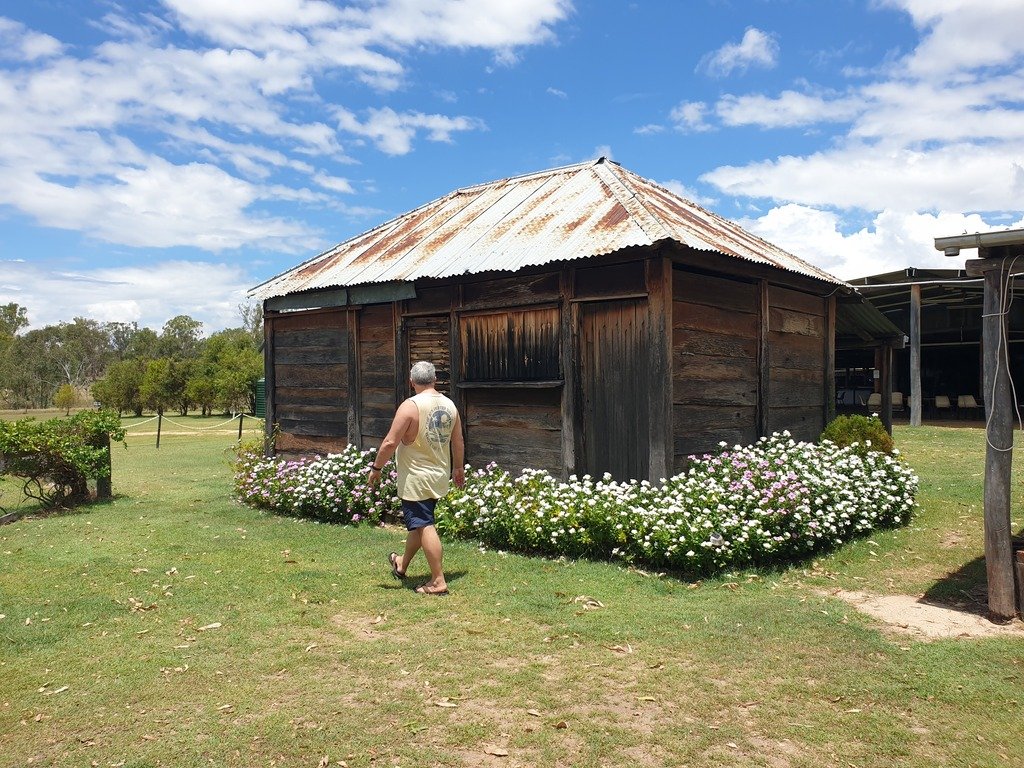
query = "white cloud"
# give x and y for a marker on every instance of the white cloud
(393, 132)
(649, 130)
(17, 42)
(149, 294)
(333, 183)
(690, 117)
(895, 239)
(756, 49)
(965, 177)
(556, 92)
(789, 109)
(924, 133)
(231, 121)
(963, 34)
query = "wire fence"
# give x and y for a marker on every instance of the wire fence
(190, 430)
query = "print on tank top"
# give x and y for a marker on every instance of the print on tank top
(439, 426)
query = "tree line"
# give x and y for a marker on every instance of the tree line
(130, 369)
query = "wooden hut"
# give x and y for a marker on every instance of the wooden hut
(584, 319)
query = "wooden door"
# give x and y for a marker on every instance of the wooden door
(428, 339)
(613, 387)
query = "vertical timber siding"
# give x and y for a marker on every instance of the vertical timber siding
(376, 373)
(715, 376)
(310, 381)
(798, 345)
(614, 376)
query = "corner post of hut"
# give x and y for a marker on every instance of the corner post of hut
(915, 355)
(999, 565)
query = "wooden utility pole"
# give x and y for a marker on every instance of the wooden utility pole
(915, 355)
(998, 251)
(999, 566)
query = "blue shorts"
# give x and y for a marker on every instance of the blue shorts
(418, 514)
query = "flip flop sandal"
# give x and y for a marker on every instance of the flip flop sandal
(393, 560)
(425, 590)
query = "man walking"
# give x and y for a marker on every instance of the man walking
(427, 435)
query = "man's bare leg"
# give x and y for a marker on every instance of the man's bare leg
(431, 544)
(413, 542)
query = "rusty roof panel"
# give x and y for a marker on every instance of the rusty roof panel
(575, 212)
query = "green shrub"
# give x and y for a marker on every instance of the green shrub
(865, 433)
(55, 459)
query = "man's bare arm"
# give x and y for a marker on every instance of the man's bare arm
(405, 417)
(458, 453)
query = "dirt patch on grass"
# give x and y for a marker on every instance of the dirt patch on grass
(912, 615)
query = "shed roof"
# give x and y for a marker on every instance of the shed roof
(578, 211)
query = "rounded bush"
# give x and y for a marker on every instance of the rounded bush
(867, 433)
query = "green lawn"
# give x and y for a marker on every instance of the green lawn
(174, 627)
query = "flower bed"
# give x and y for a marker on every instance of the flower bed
(331, 488)
(773, 501)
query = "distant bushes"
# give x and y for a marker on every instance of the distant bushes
(55, 459)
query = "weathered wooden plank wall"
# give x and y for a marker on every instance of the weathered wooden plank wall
(715, 323)
(376, 373)
(798, 347)
(514, 427)
(310, 381)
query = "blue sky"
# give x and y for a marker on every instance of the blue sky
(160, 158)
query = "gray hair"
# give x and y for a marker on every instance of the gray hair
(423, 373)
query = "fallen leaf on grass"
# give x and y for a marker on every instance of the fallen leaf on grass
(224, 707)
(854, 711)
(588, 603)
(645, 698)
(496, 751)
(627, 648)
(381, 617)
(310, 647)
(215, 625)
(324, 762)
(534, 712)
(732, 744)
(561, 725)
(445, 703)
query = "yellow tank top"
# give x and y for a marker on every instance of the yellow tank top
(425, 466)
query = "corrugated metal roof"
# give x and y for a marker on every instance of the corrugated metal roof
(858, 321)
(575, 212)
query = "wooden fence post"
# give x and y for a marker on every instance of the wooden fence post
(104, 486)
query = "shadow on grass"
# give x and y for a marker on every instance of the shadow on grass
(966, 589)
(411, 582)
(34, 510)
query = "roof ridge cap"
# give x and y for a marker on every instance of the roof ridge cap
(628, 197)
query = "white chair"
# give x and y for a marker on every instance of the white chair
(874, 401)
(966, 404)
(897, 401)
(942, 404)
